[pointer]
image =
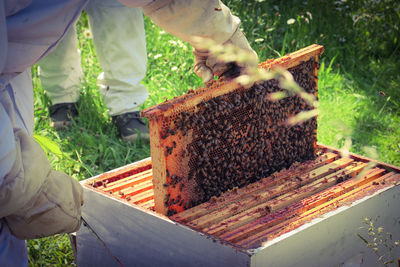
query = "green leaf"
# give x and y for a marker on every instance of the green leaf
(47, 144)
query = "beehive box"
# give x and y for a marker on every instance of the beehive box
(306, 215)
(224, 135)
(283, 209)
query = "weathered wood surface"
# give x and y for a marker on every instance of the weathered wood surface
(222, 228)
(249, 215)
(255, 205)
(307, 216)
(327, 220)
(128, 181)
(159, 164)
(331, 239)
(119, 173)
(380, 164)
(142, 238)
(141, 197)
(251, 232)
(131, 183)
(254, 188)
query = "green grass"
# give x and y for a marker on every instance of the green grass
(359, 91)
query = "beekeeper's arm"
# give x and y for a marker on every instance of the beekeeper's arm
(209, 19)
(34, 200)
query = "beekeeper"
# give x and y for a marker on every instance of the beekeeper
(36, 201)
(119, 39)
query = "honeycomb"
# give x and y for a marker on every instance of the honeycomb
(210, 141)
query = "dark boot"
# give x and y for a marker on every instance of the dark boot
(131, 126)
(62, 114)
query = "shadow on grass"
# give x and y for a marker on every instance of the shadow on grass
(94, 141)
(377, 121)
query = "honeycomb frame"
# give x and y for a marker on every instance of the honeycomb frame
(173, 136)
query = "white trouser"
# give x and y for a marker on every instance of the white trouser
(119, 40)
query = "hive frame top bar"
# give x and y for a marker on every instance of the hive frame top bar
(223, 86)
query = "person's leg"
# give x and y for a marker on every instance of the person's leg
(60, 75)
(119, 39)
(12, 250)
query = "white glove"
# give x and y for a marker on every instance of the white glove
(207, 66)
(209, 19)
(35, 200)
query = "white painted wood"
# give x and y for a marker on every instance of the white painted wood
(332, 240)
(140, 238)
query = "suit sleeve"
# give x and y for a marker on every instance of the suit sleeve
(35, 200)
(188, 18)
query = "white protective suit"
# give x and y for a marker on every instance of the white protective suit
(120, 43)
(34, 200)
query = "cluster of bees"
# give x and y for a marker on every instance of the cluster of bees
(243, 136)
(174, 181)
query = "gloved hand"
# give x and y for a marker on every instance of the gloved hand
(36, 201)
(207, 65)
(208, 19)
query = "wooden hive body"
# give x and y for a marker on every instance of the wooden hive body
(309, 210)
